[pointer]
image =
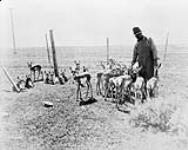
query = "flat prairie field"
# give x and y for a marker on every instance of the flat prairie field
(159, 124)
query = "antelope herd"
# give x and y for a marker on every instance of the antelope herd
(115, 81)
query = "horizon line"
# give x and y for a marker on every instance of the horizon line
(112, 45)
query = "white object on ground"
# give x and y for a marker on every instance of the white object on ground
(47, 104)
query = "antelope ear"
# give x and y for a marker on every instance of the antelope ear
(159, 65)
(139, 68)
(119, 65)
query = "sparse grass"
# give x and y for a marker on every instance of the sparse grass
(155, 114)
(100, 125)
(64, 126)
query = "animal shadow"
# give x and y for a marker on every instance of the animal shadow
(88, 101)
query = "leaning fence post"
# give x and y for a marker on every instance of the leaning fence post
(54, 54)
(10, 79)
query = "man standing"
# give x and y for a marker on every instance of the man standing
(145, 53)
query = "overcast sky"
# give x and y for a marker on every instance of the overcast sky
(89, 22)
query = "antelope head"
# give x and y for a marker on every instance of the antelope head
(29, 64)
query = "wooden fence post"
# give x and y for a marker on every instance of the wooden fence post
(166, 47)
(10, 79)
(107, 50)
(13, 33)
(47, 48)
(54, 54)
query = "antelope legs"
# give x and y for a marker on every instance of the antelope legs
(78, 92)
(89, 90)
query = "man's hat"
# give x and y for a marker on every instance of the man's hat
(136, 30)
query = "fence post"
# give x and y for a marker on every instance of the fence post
(10, 79)
(54, 54)
(47, 48)
(13, 33)
(107, 50)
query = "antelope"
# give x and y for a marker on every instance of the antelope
(78, 77)
(139, 84)
(100, 75)
(85, 69)
(106, 76)
(77, 66)
(98, 87)
(131, 81)
(46, 78)
(42, 75)
(20, 84)
(33, 69)
(63, 78)
(152, 84)
(108, 71)
(51, 78)
(116, 82)
(29, 82)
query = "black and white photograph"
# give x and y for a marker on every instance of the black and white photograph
(93, 75)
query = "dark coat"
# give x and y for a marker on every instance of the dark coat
(146, 54)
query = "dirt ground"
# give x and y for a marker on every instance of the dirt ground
(27, 125)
